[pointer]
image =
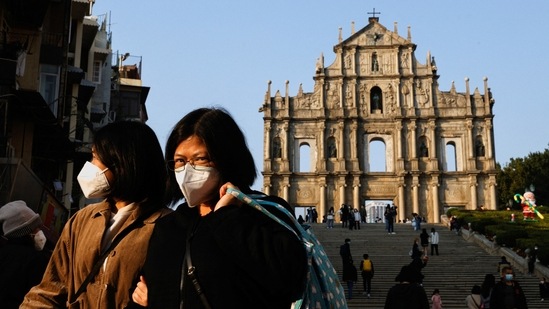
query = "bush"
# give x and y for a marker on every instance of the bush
(508, 234)
(518, 235)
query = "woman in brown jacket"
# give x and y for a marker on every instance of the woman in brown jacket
(107, 241)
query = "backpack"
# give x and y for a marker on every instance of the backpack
(322, 287)
(367, 265)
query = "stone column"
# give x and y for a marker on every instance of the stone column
(432, 146)
(398, 141)
(412, 129)
(415, 195)
(340, 142)
(492, 188)
(286, 192)
(436, 205)
(401, 201)
(470, 140)
(267, 140)
(489, 146)
(322, 199)
(473, 184)
(342, 193)
(321, 160)
(356, 195)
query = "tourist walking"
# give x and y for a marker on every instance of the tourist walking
(390, 215)
(407, 293)
(330, 218)
(543, 289)
(436, 300)
(344, 213)
(486, 290)
(434, 241)
(473, 301)
(508, 293)
(424, 237)
(501, 264)
(350, 277)
(532, 257)
(356, 216)
(367, 268)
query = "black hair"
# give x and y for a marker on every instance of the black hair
(131, 150)
(475, 289)
(365, 256)
(225, 142)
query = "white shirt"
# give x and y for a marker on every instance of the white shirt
(114, 225)
(434, 238)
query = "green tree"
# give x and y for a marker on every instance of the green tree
(524, 174)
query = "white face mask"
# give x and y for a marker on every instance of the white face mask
(93, 181)
(197, 183)
(39, 240)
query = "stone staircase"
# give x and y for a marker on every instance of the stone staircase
(460, 265)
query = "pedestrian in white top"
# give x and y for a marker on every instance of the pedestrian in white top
(434, 242)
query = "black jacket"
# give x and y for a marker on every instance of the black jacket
(243, 259)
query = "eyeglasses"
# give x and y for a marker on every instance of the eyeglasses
(178, 163)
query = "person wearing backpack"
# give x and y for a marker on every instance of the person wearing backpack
(367, 268)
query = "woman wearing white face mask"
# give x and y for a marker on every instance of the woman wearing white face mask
(242, 258)
(101, 250)
(22, 255)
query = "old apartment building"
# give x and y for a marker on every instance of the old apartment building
(57, 85)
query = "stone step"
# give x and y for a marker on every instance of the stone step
(460, 265)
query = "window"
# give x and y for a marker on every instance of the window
(96, 77)
(451, 163)
(376, 100)
(377, 156)
(304, 158)
(49, 86)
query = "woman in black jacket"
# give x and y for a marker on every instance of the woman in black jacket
(241, 258)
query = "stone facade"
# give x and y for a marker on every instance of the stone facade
(376, 91)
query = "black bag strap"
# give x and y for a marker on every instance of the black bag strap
(191, 273)
(104, 255)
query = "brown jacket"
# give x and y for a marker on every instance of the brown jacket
(75, 254)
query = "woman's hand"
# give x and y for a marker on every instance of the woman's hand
(226, 199)
(140, 294)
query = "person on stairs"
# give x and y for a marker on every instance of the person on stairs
(367, 268)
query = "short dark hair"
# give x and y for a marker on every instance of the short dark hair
(131, 150)
(224, 141)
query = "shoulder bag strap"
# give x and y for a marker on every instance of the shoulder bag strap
(191, 273)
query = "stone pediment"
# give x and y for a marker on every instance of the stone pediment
(374, 34)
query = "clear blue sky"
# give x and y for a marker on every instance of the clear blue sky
(222, 53)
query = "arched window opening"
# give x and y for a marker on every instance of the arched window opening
(376, 100)
(304, 158)
(451, 163)
(377, 156)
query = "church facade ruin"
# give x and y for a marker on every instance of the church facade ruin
(438, 146)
